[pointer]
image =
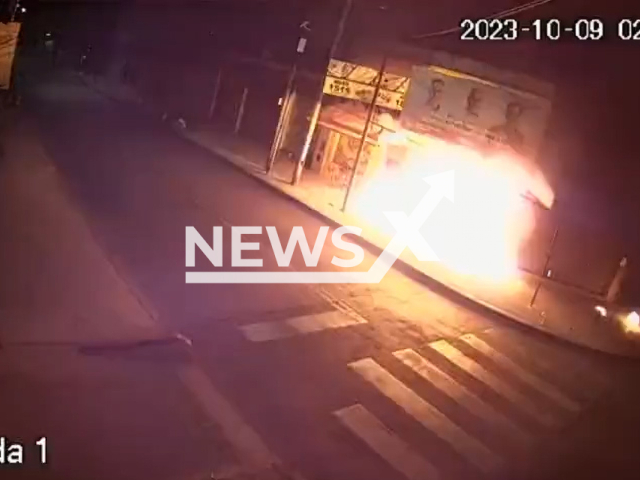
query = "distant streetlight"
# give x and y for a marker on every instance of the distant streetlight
(23, 10)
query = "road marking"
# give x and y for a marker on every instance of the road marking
(427, 415)
(545, 388)
(385, 443)
(477, 371)
(461, 395)
(338, 304)
(216, 407)
(267, 331)
(246, 442)
(582, 368)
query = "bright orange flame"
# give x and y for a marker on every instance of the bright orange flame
(482, 234)
(631, 322)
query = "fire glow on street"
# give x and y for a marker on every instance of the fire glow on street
(407, 227)
(298, 239)
(482, 235)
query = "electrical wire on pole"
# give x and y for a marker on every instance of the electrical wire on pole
(504, 13)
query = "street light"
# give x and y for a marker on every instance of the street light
(318, 105)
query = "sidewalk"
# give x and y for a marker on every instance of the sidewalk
(557, 311)
(120, 415)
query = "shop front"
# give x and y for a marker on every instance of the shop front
(487, 134)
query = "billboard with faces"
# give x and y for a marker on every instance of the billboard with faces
(439, 99)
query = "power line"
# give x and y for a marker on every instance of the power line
(502, 14)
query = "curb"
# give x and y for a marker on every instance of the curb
(447, 290)
(467, 300)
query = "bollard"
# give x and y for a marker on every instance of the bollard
(216, 92)
(545, 270)
(615, 287)
(243, 101)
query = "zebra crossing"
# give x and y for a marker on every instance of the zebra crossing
(460, 394)
(340, 315)
(301, 325)
(513, 393)
(387, 444)
(558, 409)
(426, 414)
(544, 387)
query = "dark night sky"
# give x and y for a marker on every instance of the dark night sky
(597, 81)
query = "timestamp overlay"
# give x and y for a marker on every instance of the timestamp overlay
(550, 29)
(15, 453)
(629, 29)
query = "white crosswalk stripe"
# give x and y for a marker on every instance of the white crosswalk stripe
(306, 324)
(509, 370)
(463, 396)
(583, 369)
(473, 368)
(525, 376)
(429, 416)
(386, 444)
(409, 462)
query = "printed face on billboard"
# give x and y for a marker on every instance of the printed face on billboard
(442, 99)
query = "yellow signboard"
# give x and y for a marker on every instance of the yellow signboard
(364, 93)
(8, 42)
(357, 82)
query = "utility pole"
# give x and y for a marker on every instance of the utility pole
(365, 134)
(287, 101)
(318, 105)
(15, 10)
(216, 92)
(240, 115)
(282, 119)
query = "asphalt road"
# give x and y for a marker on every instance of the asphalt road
(389, 381)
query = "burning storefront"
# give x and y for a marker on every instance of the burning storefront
(487, 133)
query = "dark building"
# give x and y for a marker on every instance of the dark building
(174, 51)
